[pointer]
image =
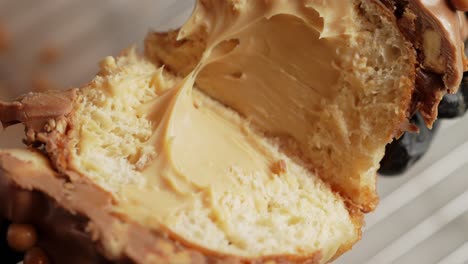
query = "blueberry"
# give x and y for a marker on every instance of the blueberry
(455, 105)
(402, 153)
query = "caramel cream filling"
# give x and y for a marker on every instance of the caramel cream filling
(270, 60)
(200, 153)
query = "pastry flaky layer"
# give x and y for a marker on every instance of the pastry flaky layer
(252, 134)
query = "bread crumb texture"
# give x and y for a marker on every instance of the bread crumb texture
(281, 212)
(258, 140)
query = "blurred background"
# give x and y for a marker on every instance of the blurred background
(56, 44)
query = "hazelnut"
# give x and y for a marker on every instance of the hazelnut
(432, 44)
(21, 237)
(35, 256)
(461, 5)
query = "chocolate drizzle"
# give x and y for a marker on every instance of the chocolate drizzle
(426, 97)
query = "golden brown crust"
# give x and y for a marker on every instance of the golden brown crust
(357, 216)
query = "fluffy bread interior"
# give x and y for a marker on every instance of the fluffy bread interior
(302, 199)
(293, 214)
(289, 213)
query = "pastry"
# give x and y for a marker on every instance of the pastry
(251, 134)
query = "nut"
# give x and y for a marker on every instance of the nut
(461, 5)
(433, 59)
(51, 124)
(36, 256)
(21, 237)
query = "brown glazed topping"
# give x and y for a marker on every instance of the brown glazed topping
(37, 109)
(436, 32)
(429, 91)
(64, 237)
(461, 5)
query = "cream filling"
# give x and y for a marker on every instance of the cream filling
(275, 61)
(213, 180)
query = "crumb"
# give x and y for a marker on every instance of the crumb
(279, 167)
(49, 54)
(5, 38)
(41, 83)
